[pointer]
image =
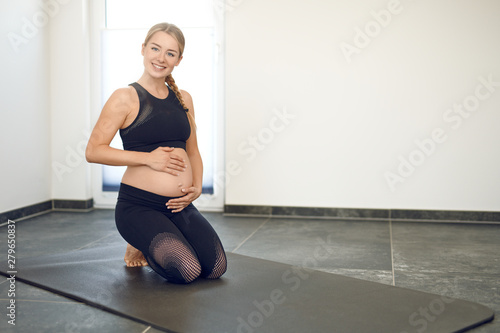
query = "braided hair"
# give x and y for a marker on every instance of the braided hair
(171, 83)
(177, 34)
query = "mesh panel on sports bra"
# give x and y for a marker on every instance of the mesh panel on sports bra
(144, 115)
(172, 259)
(159, 123)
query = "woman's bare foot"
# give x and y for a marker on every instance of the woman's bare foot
(134, 257)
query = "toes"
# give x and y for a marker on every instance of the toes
(136, 263)
(130, 263)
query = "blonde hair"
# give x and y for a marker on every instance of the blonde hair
(177, 34)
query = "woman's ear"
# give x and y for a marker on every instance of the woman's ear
(142, 49)
(179, 61)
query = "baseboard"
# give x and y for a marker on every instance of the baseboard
(365, 214)
(73, 204)
(46, 207)
(24, 212)
(281, 211)
(445, 216)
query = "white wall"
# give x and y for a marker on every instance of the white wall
(70, 100)
(25, 123)
(45, 102)
(348, 125)
(354, 115)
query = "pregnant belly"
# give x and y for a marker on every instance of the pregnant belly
(158, 182)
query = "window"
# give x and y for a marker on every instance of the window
(126, 23)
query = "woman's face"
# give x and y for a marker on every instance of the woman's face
(161, 55)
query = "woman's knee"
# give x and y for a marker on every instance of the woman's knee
(176, 272)
(183, 276)
(179, 263)
(219, 268)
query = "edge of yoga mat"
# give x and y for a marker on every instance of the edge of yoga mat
(255, 295)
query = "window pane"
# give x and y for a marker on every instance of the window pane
(135, 14)
(122, 64)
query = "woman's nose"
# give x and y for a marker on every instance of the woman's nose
(160, 58)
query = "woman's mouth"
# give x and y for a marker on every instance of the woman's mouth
(159, 67)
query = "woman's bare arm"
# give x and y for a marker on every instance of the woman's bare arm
(113, 116)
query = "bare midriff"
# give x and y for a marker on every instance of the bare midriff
(158, 182)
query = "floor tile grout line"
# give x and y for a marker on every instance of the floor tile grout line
(42, 301)
(147, 329)
(392, 250)
(97, 240)
(253, 233)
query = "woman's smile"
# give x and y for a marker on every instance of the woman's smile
(159, 67)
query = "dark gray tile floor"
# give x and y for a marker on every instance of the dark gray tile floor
(456, 260)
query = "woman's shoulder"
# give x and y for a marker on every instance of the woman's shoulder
(125, 94)
(185, 93)
(123, 99)
(187, 98)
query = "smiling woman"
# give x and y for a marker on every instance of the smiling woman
(198, 75)
(154, 213)
(172, 129)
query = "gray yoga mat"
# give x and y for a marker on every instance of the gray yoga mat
(254, 295)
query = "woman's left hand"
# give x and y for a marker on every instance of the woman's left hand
(178, 204)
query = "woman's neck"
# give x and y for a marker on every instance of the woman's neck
(152, 84)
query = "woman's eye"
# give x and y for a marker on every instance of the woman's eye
(154, 48)
(170, 54)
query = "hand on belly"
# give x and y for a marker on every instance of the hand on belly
(165, 159)
(167, 183)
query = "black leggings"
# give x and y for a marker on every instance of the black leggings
(178, 246)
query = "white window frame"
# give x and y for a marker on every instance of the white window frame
(206, 202)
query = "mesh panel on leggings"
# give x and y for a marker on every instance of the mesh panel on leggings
(178, 263)
(220, 261)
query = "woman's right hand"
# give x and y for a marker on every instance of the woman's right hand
(162, 159)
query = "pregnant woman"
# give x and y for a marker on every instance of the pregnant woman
(154, 212)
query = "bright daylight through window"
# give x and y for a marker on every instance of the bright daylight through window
(127, 22)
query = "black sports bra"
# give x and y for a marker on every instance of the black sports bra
(159, 123)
